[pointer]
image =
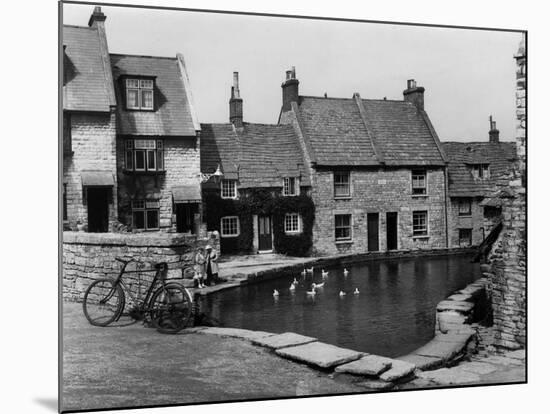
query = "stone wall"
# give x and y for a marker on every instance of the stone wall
(507, 260)
(378, 191)
(182, 165)
(93, 148)
(90, 256)
(474, 222)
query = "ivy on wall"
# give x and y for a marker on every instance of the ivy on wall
(262, 202)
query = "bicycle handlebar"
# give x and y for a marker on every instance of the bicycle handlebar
(118, 259)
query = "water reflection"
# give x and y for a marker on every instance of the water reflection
(392, 315)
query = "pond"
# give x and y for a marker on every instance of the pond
(393, 314)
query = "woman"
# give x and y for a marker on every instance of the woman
(211, 266)
(200, 261)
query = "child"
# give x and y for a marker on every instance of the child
(199, 268)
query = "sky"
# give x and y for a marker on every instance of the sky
(468, 74)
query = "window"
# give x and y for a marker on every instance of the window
(67, 137)
(144, 155)
(342, 184)
(145, 214)
(464, 237)
(230, 226)
(139, 94)
(229, 189)
(290, 186)
(480, 171)
(419, 182)
(292, 223)
(420, 223)
(342, 227)
(465, 207)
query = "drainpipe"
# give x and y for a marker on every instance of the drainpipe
(446, 172)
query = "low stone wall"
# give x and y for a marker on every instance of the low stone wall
(90, 256)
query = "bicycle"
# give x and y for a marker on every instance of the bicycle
(168, 308)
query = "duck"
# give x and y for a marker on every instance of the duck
(295, 282)
(292, 286)
(310, 270)
(342, 293)
(317, 285)
(356, 291)
(303, 272)
(324, 274)
(275, 292)
(311, 292)
(346, 272)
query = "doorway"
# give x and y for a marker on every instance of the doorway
(391, 231)
(264, 233)
(372, 228)
(98, 209)
(185, 217)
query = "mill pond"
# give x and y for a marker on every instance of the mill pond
(393, 313)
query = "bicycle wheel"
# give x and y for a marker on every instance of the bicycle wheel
(171, 308)
(103, 302)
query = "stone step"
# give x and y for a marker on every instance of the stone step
(460, 297)
(319, 354)
(456, 306)
(373, 384)
(444, 347)
(237, 333)
(449, 376)
(422, 362)
(398, 370)
(371, 365)
(283, 340)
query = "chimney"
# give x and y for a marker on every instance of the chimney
(414, 94)
(97, 16)
(493, 132)
(236, 103)
(290, 89)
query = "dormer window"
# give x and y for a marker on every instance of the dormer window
(139, 94)
(229, 189)
(480, 171)
(290, 186)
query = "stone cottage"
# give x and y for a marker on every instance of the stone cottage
(378, 171)
(261, 203)
(157, 144)
(89, 129)
(474, 168)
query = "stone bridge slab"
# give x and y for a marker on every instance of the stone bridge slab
(319, 354)
(283, 340)
(237, 333)
(372, 365)
(421, 362)
(452, 305)
(398, 370)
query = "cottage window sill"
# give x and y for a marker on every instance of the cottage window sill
(343, 242)
(134, 172)
(293, 233)
(465, 215)
(421, 237)
(343, 198)
(419, 195)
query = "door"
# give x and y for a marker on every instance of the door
(391, 231)
(372, 228)
(98, 209)
(185, 217)
(264, 233)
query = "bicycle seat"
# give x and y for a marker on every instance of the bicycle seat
(125, 261)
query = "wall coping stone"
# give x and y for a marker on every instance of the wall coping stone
(157, 239)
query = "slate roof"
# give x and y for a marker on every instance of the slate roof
(87, 86)
(259, 155)
(339, 136)
(461, 155)
(173, 112)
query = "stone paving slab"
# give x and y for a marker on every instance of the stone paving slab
(319, 354)
(440, 349)
(449, 376)
(453, 305)
(478, 368)
(456, 337)
(501, 360)
(519, 354)
(376, 385)
(283, 340)
(422, 362)
(237, 333)
(398, 370)
(367, 365)
(460, 297)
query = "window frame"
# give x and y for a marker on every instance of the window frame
(298, 223)
(234, 189)
(145, 209)
(484, 169)
(469, 244)
(131, 151)
(238, 227)
(139, 88)
(461, 201)
(336, 227)
(425, 233)
(285, 191)
(336, 184)
(419, 173)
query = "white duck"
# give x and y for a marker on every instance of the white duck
(346, 272)
(292, 287)
(356, 291)
(311, 292)
(317, 285)
(275, 292)
(310, 270)
(295, 282)
(324, 274)
(342, 293)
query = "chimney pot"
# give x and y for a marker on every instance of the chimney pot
(493, 131)
(236, 103)
(290, 89)
(97, 16)
(414, 94)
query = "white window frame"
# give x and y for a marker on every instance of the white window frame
(140, 86)
(344, 239)
(291, 216)
(484, 168)
(427, 224)
(335, 184)
(143, 205)
(419, 173)
(147, 146)
(226, 235)
(233, 190)
(286, 186)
